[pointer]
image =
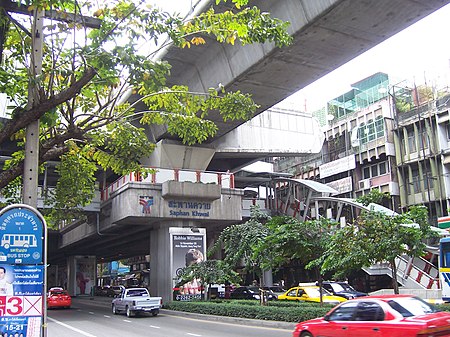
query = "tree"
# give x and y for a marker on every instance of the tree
(375, 237)
(239, 241)
(209, 272)
(292, 239)
(85, 122)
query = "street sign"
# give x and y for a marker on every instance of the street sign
(21, 236)
(23, 274)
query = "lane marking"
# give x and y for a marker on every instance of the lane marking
(87, 334)
(106, 316)
(193, 334)
(126, 320)
(236, 324)
(155, 327)
(92, 313)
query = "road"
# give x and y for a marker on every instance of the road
(94, 319)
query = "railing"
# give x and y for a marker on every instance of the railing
(408, 268)
(160, 176)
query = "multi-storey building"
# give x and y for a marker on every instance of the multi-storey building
(395, 138)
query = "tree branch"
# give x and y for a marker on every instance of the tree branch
(29, 116)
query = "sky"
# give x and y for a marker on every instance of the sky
(420, 54)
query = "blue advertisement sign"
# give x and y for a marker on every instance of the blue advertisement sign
(21, 300)
(21, 232)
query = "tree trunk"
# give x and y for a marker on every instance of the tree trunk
(394, 277)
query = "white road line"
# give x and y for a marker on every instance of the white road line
(91, 312)
(155, 327)
(193, 334)
(106, 316)
(87, 334)
(126, 320)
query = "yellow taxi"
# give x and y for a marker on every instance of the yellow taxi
(310, 294)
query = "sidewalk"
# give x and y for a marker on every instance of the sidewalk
(105, 302)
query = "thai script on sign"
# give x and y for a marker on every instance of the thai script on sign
(189, 204)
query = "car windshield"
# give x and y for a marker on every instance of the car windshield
(58, 292)
(277, 289)
(253, 289)
(337, 287)
(314, 292)
(345, 287)
(411, 306)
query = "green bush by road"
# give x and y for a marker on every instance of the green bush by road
(275, 311)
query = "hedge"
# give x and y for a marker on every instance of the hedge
(275, 311)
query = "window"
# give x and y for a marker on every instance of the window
(344, 313)
(411, 141)
(379, 126)
(448, 130)
(382, 168)
(369, 311)
(366, 172)
(375, 170)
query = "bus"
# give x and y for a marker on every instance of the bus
(444, 267)
(18, 240)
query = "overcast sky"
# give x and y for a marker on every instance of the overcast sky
(419, 53)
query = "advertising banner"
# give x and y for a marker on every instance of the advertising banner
(21, 300)
(84, 275)
(187, 247)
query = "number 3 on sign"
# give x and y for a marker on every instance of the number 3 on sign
(14, 306)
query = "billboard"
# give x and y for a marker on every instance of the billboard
(188, 246)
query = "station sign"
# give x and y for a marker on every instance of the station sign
(21, 236)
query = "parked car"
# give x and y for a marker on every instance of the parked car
(275, 290)
(342, 289)
(115, 290)
(384, 315)
(58, 298)
(310, 294)
(249, 293)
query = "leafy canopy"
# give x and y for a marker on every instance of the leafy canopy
(81, 97)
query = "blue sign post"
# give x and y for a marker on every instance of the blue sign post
(23, 273)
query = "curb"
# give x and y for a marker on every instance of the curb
(237, 320)
(105, 301)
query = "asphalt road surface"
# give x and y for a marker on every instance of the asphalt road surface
(94, 319)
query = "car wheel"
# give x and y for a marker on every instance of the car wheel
(155, 313)
(114, 310)
(306, 334)
(130, 312)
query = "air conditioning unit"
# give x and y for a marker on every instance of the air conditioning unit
(364, 184)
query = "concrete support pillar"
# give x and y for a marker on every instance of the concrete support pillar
(160, 271)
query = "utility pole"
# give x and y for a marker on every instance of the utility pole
(31, 162)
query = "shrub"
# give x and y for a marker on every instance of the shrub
(276, 310)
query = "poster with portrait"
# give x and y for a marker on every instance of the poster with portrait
(188, 246)
(21, 300)
(84, 275)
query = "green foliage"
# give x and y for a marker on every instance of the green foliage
(291, 239)
(376, 237)
(240, 240)
(88, 74)
(374, 196)
(276, 311)
(209, 272)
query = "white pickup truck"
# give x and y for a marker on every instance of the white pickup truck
(133, 301)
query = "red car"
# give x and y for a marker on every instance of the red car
(381, 316)
(58, 298)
